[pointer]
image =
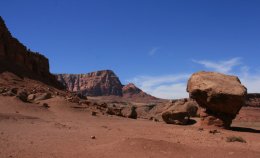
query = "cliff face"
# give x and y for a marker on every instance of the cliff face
(100, 83)
(15, 57)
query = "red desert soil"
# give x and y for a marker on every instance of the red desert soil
(28, 131)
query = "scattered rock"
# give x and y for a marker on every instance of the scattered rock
(114, 111)
(45, 105)
(221, 95)
(43, 96)
(31, 97)
(22, 95)
(129, 112)
(214, 131)
(180, 118)
(201, 129)
(74, 99)
(2, 90)
(235, 139)
(93, 113)
(81, 95)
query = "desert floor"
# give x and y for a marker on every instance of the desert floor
(29, 131)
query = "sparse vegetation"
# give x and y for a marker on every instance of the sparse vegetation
(235, 139)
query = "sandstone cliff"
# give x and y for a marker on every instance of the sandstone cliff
(16, 58)
(100, 83)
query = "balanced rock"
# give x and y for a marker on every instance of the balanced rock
(180, 111)
(221, 95)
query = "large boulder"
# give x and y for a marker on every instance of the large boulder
(221, 95)
(180, 111)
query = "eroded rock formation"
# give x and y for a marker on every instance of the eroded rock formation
(100, 83)
(221, 95)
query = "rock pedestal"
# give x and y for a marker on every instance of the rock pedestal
(222, 96)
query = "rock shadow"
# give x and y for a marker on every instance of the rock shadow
(191, 122)
(244, 129)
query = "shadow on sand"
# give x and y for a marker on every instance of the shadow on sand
(243, 129)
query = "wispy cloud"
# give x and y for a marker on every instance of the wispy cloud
(173, 86)
(224, 66)
(153, 51)
(168, 86)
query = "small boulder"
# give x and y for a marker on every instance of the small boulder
(45, 105)
(43, 96)
(129, 112)
(31, 97)
(22, 95)
(93, 113)
(114, 111)
(2, 90)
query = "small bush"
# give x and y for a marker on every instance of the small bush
(235, 139)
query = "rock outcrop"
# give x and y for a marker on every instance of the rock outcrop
(221, 95)
(131, 91)
(16, 58)
(100, 83)
(253, 100)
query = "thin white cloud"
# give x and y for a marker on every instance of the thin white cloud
(248, 78)
(224, 66)
(174, 86)
(153, 51)
(167, 87)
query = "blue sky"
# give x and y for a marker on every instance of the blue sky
(156, 44)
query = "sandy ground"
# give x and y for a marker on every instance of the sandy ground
(30, 131)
